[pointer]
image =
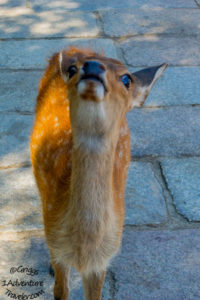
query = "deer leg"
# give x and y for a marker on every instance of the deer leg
(93, 285)
(61, 282)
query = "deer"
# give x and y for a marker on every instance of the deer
(80, 153)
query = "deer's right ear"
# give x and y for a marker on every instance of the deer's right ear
(144, 81)
(64, 63)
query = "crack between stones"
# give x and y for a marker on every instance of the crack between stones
(16, 166)
(100, 23)
(17, 111)
(164, 226)
(171, 195)
(101, 34)
(152, 158)
(123, 38)
(197, 3)
(75, 37)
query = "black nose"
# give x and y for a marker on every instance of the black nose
(93, 67)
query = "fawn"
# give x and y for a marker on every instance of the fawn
(80, 152)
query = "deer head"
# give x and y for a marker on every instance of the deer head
(101, 91)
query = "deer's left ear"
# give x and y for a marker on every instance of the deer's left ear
(144, 81)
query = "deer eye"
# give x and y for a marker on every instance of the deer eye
(126, 79)
(72, 70)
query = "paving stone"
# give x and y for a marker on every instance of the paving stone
(33, 254)
(171, 131)
(19, 90)
(14, 138)
(169, 89)
(154, 49)
(20, 207)
(183, 179)
(32, 54)
(150, 21)
(145, 203)
(159, 265)
(39, 5)
(27, 24)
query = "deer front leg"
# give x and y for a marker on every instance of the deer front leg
(93, 285)
(61, 282)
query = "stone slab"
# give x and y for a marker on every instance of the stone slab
(27, 24)
(169, 88)
(19, 90)
(183, 180)
(144, 200)
(14, 138)
(154, 50)
(20, 207)
(150, 21)
(40, 5)
(32, 253)
(171, 131)
(32, 54)
(161, 265)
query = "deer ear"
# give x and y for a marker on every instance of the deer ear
(144, 81)
(64, 62)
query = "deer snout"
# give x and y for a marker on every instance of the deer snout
(93, 67)
(91, 85)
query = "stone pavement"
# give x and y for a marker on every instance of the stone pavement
(160, 254)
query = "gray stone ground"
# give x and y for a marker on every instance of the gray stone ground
(160, 254)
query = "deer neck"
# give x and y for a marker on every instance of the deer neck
(91, 181)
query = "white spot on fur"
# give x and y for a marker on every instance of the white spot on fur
(37, 136)
(120, 154)
(60, 141)
(126, 144)
(123, 131)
